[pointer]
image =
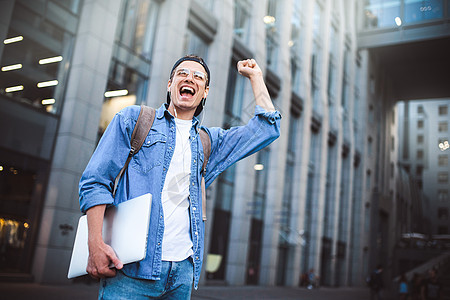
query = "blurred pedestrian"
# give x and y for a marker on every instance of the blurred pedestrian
(376, 283)
(432, 287)
(416, 286)
(403, 288)
(312, 279)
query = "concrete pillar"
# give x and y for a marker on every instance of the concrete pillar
(76, 138)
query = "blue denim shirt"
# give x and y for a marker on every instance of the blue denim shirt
(148, 168)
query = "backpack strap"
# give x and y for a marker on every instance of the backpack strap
(206, 143)
(140, 132)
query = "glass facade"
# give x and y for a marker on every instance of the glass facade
(272, 34)
(288, 236)
(36, 54)
(296, 46)
(225, 189)
(129, 69)
(257, 209)
(35, 59)
(392, 13)
(242, 18)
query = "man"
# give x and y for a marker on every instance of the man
(432, 287)
(376, 283)
(169, 167)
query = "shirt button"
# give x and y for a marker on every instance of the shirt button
(159, 244)
(196, 257)
(192, 183)
(196, 233)
(160, 217)
(194, 208)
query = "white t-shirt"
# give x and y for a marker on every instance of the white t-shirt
(177, 242)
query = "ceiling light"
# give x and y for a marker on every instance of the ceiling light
(47, 83)
(117, 93)
(50, 60)
(259, 167)
(48, 101)
(13, 40)
(398, 21)
(14, 88)
(11, 67)
(1, 168)
(269, 19)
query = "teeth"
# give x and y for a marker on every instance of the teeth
(187, 89)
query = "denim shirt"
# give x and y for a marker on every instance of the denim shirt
(147, 170)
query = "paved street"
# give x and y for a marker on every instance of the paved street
(26, 291)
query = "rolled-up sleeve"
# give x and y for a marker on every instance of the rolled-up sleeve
(97, 180)
(231, 145)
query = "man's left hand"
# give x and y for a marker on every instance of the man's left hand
(249, 68)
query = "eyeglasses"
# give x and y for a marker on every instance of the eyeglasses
(184, 72)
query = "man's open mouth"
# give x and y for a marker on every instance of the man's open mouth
(186, 91)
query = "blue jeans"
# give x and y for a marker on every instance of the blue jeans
(175, 283)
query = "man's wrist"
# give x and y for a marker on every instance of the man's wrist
(256, 76)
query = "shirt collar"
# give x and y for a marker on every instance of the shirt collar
(163, 111)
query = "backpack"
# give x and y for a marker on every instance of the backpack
(140, 132)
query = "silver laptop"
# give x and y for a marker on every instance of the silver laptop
(125, 229)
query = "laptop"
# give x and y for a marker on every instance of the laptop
(125, 229)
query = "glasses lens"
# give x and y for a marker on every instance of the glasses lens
(199, 76)
(183, 72)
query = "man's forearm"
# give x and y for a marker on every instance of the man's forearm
(262, 97)
(95, 217)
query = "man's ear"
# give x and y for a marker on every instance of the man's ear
(168, 85)
(205, 94)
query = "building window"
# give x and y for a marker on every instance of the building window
(242, 17)
(442, 213)
(272, 35)
(36, 54)
(234, 97)
(420, 139)
(416, 10)
(334, 52)
(443, 126)
(419, 170)
(381, 13)
(420, 154)
(368, 180)
(296, 45)
(443, 110)
(443, 177)
(420, 109)
(443, 195)
(130, 66)
(442, 230)
(420, 124)
(137, 26)
(443, 160)
(195, 45)
(257, 209)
